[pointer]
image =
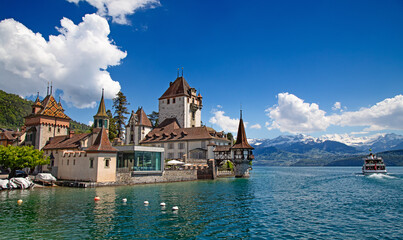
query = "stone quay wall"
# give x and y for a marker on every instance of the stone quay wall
(166, 176)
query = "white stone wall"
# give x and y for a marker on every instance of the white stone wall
(43, 134)
(172, 110)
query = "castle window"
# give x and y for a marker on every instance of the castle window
(170, 155)
(170, 145)
(107, 162)
(100, 123)
(180, 154)
(167, 101)
(68, 161)
(203, 144)
(91, 162)
(74, 162)
(173, 100)
(50, 129)
(58, 130)
(181, 145)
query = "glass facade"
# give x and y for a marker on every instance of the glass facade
(140, 161)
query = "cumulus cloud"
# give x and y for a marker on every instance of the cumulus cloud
(387, 114)
(226, 123)
(256, 126)
(293, 115)
(76, 60)
(119, 9)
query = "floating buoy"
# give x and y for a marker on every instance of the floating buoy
(146, 202)
(124, 199)
(162, 204)
(175, 208)
(19, 202)
(97, 198)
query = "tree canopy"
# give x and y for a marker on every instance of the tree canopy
(15, 157)
(13, 109)
(153, 118)
(120, 105)
(112, 126)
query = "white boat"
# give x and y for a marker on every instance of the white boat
(373, 164)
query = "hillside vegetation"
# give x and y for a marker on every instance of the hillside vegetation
(13, 109)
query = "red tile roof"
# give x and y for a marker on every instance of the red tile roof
(66, 142)
(142, 118)
(102, 143)
(172, 132)
(178, 88)
(222, 148)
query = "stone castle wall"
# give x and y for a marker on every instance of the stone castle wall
(166, 176)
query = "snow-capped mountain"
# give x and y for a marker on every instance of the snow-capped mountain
(377, 142)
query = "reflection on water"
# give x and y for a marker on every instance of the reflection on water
(318, 203)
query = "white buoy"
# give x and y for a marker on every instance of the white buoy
(175, 208)
(146, 202)
(162, 204)
(124, 199)
(19, 202)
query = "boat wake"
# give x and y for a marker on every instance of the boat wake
(380, 176)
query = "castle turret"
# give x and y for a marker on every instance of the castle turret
(242, 152)
(101, 119)
(180, 101)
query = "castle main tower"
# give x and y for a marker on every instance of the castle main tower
(182, 102)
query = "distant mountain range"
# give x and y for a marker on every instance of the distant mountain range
(304, 150)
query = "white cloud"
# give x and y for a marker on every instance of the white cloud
(219, 106)
(75, 60)
(293, 115)
(226, 123)
(387, 114)
(256, 126)
(336, 106)
(119, 9)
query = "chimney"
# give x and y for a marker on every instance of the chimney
(71, 133)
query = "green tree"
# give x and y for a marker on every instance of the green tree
(230, 137)
(15, 157)
(119, 104)
(112, 126)
(153, 118)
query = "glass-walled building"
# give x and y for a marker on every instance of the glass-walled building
(139, 159)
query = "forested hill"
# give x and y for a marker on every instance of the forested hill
(13, 109)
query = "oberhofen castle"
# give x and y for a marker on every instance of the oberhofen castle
(146, 152)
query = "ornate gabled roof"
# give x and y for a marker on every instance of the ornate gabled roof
(37, 102)
(102, 143)
(142, 118)
(50, 108)
(101, 110)
(241, 140)
(178, 88)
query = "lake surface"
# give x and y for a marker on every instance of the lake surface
(275, 203)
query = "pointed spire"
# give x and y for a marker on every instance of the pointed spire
(47, 94)
(177, 73)
(101, 109)
(51, 86)
(241, 140)
(182, 71)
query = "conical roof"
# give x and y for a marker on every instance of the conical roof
(101, 109)
(241, 140)
(178, 88)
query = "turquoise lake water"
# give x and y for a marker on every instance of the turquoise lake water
(275, 203)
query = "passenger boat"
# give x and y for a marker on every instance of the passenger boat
(373, 164)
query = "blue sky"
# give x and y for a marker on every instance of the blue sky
(313, 67)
